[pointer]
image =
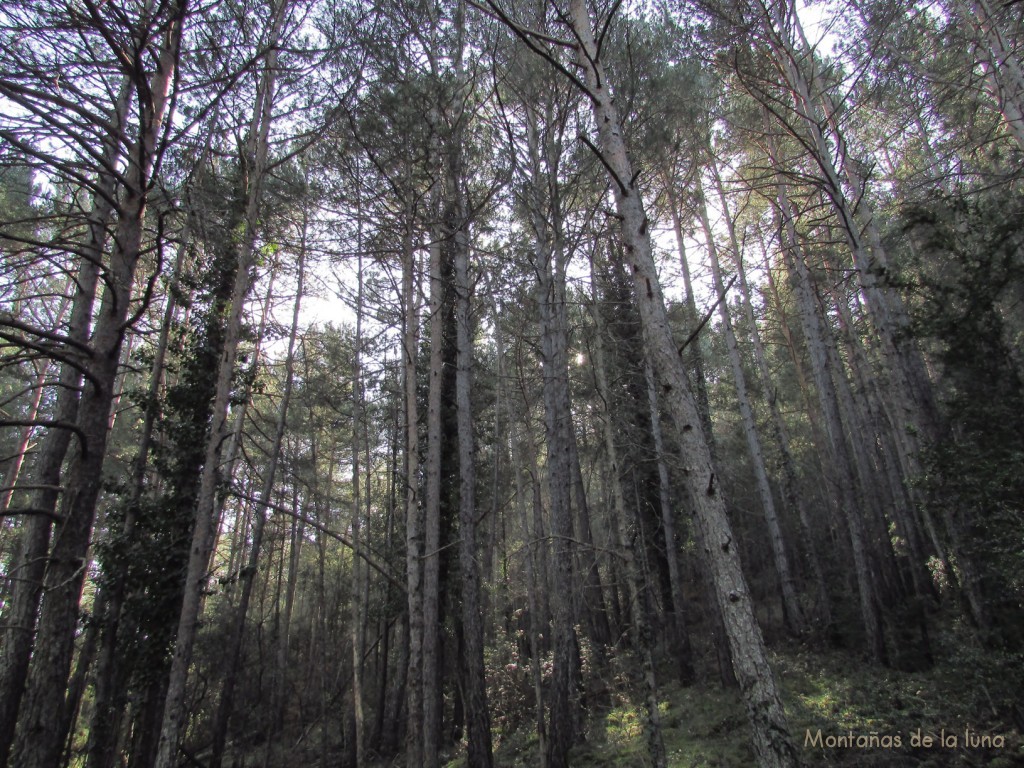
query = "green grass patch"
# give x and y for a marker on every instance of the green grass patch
(859, 709)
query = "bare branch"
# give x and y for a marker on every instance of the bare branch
(622, 185)
(382, 570)
(526, 37)
(495, 14)
(707, 317)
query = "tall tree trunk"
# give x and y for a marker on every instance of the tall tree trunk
(413, 513)
(790, 602)
(38, 741)
(851, 503)
(206, 522)
(594, 606)
(382, 723)
(790, 483)
(108, 703)
(72, 708)
(770, 730)
(629, 535)
(478, 717)
(692, 354)
(297, 536)
(680, 633)
(1001, 63)
(30, 564)
(896, 504)
(550, 264)
(430, 669)
(822, 451)
(694, 360)
(533, 584)
(360, 581)
(239, 414)
(556, 421)
(248, 574)
(909, 386)
(10, 480)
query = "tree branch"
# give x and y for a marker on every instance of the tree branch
(494, 13)
(391, 579)
(49, 424)
(707, 317)
(525, 35)
(622, 185)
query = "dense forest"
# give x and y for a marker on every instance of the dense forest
(469, 382)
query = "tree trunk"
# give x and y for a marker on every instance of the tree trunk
(895, 498)
(206, 522)
(558, 480)
(248, 574)
(10, 480)
(1002, 66)
(692, 354)
(478, 717)
(413, 513)
(772, 743)
(909, 387)
(680, 633)
(360, 581)
(31, 561)
(851, 503)
(694, 359)
(593, 590)
(533, 585)
(629, 536)
(109, 682)
(550, 264)
(38, 742)
(430, 669)
(281, 668)
(790, 602)
(72, 708)
(790, 483)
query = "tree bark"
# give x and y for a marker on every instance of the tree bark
(413, 514)
(770, 730)
(31, 561)
(680, 633)
(38, 742)
(478, 717)
(248, 574)
(206, 523)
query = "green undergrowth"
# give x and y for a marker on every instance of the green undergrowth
(842, 712)
(700, 727)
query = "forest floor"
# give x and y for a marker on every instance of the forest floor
(964, 711)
